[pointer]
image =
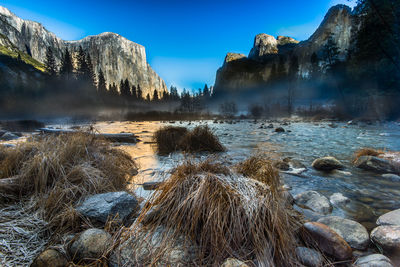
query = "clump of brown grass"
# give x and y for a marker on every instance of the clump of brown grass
(60, 171)
(168, 138)
(367, 152)
(201, 138)
(223, 214)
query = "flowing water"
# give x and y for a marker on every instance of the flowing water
(371, 195)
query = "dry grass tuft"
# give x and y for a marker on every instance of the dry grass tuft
(60, 171)
(168, 138)
(223, 214)
(201, 138)
(367, 152)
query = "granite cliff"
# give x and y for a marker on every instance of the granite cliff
(240, 72)
(118, 57)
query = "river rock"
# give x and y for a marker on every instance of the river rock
(391, 177)
(327, 240)
(314, 201)
(390, 218)
(281, 165)
(352, 232)
(231, 262)
(327, 164)
(90, 244)
(309, 215)
(8, 136)
(338, 199)
(375, 164)
(279, 130)
(374, 260)
(387, 237)
(309, 257)
(100, 207)
(50, 257)
(138, 248)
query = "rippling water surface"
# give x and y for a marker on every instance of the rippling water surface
(371, 195)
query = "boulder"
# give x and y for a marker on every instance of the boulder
(309, 257)
(279, 130)
(90, 245)
(281, 165)
(138, 249)
(390, 218)
(387, 237)
(231, 262)
(352, 232)
(50, 257)
(391, 177)
(374, 260)
(327, 164)
(338, 199)
(327, 240)
(99, 208)
(8, 136)
(314, 201)
(375, 164)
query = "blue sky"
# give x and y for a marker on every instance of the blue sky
(186, 41)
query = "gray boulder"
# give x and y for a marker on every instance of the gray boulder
(387, 237)
(309, 257)
(391, 177)
(353, 232)
(390, 218)
(374, 260)
(338, 199)
(375, 164)
(102, 206)
(50, 257)
(90, 245)
(314, 201)
(231, 262)
(327, 164)
(9, 136)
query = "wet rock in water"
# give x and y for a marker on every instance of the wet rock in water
(294, 163)
(390, 218)
(90, 245)
(327, 240)
(391, 177)
(309, 215)
(231, 262)
(352, 232)
(8, 136)
(137, 249)
(327, 164)
(99, 208)
(50, 257)
(151, 185)
(375, 164)
(387, 237)
(314, 201)
(270, 126)
(374, 260)
(279, 130)
(281, 165)
(338, 199)
(309, 257)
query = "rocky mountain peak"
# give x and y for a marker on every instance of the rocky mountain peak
(264, 44)
(118, 57)
(232, 57)
(284, 40)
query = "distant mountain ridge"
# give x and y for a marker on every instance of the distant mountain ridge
(118, 57)
(240, 72)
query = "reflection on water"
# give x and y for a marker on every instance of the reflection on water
(371, 194)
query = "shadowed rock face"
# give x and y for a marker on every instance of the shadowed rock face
(238, 74)
(118, 57)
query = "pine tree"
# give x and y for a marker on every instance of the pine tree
(293, 68)
(281, 70)
(50, 62)
(155, 95)
(101, 85)
(139, 93)
(90, 70)
(330, 50)
(273, 75)
(134, 92)
(83, 70)
(314, 65)
(206, 91)
(148, 97)
(67, 68)
(126, 88)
